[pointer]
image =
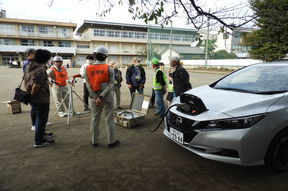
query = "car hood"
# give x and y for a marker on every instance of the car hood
(232, 103)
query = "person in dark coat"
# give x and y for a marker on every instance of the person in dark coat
(180, 77)
(135, 77)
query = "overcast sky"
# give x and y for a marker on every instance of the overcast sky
(77, 10)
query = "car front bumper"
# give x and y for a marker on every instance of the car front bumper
(219, 145)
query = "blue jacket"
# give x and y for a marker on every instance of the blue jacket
(133, 74)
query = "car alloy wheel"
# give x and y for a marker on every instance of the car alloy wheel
(277, 155)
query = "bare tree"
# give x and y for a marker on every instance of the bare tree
(195, 12)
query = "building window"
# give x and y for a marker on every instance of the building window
(64, 44)
(117, 33)
(83, 46)
(27, 42)
(7, 27)
(131, 34)
(187, 38)
(154, 36)
(140, 35)
(47, 43)
(27, 28)
(98, 32)
(124, 34)
(7, 42)
(43, 30)
(7, 59)
(177, 37)
(62, 31)
(110, 33)
(164, 37)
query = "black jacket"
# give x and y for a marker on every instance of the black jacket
(181, 80)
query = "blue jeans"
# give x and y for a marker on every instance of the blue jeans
(159, 102)
(41, 113)
(133, 90)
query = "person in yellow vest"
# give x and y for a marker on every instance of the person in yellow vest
(170, 87)
(159, 87)
(100, 84)
(59, 75)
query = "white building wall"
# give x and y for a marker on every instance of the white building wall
(165, 56)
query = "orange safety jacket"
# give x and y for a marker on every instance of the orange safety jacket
(60, 77)
(97, 74)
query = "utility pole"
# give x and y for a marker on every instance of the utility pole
(171, 38)
(207, 40)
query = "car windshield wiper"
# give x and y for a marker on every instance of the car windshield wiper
(271, 92)
(234, 89)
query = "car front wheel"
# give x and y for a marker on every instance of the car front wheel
(277, 154)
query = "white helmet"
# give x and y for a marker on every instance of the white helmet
(101, 50)
(57, 59)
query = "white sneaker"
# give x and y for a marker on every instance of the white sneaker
(33, 128)
(62, 114)
(49, 124)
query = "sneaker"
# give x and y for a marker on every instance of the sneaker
(44, 144)
(33, 128)
(115, 144)
(48, 135)
(49, 124)
(62, 114)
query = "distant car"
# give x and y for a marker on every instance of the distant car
(240, 119)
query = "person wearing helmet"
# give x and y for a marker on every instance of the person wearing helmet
(100, 84)
(135, 77)
(58, 75)
(159, 86)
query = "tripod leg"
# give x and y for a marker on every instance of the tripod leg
(70, 105)
(80, 98)
(61, 103)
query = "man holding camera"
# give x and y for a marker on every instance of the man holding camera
(100, 83)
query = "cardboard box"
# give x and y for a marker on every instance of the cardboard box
(136, 113)
(13, 106)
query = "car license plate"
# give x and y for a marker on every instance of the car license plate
(176, 135)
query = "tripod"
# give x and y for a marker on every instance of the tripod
(70, 108)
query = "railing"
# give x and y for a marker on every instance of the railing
(34, 34)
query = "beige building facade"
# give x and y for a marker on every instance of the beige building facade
(74, 42)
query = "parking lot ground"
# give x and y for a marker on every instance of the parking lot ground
(143, 161)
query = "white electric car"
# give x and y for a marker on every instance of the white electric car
(240, 119)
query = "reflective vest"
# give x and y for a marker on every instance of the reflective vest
(170, 87)
(97, 74)
(60, 76)
(157, 85)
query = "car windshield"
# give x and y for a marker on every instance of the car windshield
(259, 79)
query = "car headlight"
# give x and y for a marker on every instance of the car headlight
(233, 123)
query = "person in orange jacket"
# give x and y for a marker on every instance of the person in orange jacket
(59, 77)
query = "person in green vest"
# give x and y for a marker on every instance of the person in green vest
(159, 87)
(170, 87)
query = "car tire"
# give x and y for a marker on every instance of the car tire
(277, 154)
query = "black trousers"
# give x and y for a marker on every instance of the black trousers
(85, 96)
